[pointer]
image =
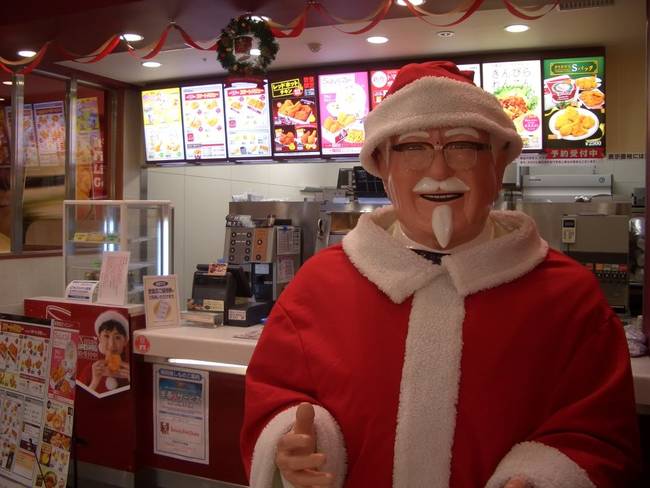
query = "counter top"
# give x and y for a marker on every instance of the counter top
(229, 345)
(641, 374)
(226, 345)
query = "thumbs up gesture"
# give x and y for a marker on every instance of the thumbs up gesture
(296, 455)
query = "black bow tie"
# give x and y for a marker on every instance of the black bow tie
(434, 257)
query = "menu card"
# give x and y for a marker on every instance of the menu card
(574, 107)
(37, 389)
(29, 138)
(343, 107)
(248, 125)
(163, 129)
(50, 132)
(295, 127)
(203, 122)
(517, 85)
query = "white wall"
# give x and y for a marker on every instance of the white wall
(201, 196)
(29, 277)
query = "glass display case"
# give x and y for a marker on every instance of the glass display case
(142, 227)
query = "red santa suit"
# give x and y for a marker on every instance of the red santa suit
(504, 360)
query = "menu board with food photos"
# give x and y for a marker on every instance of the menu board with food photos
(248, 124)
(343, 108)
(476, 68)
(203, 122)
(37, 389)
(29, 136)
(295, 117)
(574, 107)
(380, 82)
(50, 132)
(517, 86)
(163, 129)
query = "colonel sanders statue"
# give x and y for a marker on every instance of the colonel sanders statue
(443, 344)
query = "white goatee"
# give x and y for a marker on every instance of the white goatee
(442, 224)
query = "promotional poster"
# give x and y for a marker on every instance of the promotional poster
(574, 107)
(344, 106)
(295, 116)
(517, 86)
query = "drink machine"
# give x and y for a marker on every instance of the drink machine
(269, 251)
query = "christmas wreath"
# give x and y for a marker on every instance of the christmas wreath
(235, 43)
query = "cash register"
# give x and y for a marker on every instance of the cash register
(226, 296)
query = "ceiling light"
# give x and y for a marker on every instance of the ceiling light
(151, 64)
(2, 99)
(255, 52)
(517, 28)
(446, 34)
(27, 53)
(412, 2)
(377, 40)
(131, 37)
(7, 83)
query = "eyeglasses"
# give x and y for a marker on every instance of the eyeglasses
(418, 156)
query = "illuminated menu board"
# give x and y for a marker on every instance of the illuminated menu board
(517, 85)
(343, 107)
(476, 68)
(163, 129)
(203, 122)
(380, 82)
(295, 117)
(248, 124)
(574, 107)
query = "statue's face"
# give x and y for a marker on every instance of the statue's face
(442, 196)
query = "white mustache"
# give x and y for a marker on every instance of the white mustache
(429, 185)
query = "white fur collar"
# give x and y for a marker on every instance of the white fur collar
(399, 272)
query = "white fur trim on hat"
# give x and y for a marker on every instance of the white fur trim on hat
(432, 102)
(111, 315)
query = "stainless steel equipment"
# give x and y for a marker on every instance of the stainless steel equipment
(337, 219)
(599, 231)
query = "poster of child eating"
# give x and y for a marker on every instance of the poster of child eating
(103, 360)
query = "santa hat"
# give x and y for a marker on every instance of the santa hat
(111, 316)
(437, 94)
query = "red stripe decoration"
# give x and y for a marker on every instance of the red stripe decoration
(97, 55)
(374, 19)
(297, 25)
(517, 13)
(190, 42)
(470, 11)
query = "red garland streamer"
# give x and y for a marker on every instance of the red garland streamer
(513, 10)
(374, 19)
(296, 27)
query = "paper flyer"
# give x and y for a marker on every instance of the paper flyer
(161, 301)
(113, 278)
(50, 132)
(90, 152)
(36, 409)
(180, 405)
